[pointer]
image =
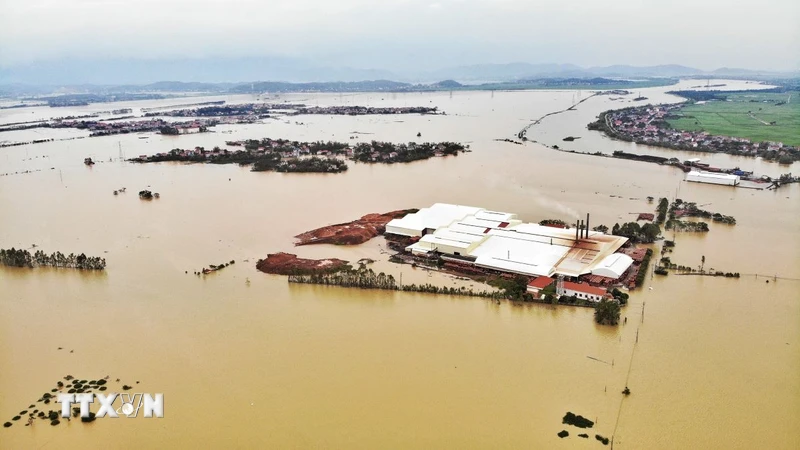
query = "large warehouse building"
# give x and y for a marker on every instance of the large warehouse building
(500, 241)
(700, 176)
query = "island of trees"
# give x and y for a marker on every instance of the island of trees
(23, 258)
(282, 155)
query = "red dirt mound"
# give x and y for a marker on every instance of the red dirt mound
(351, 233)
(289, 264)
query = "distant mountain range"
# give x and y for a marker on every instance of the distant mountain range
(88, 93)
(223, 73)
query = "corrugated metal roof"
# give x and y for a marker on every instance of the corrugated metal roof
(585, 288)
(541, 282)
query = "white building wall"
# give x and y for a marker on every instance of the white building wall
(582, 295)
(402, 231)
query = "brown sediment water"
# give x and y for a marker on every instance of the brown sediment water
(267, 363)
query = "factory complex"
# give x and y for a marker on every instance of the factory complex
(499, 241)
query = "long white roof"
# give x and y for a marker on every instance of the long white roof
(711, 175)
(438, 215)
(613, 265)
(525, 256)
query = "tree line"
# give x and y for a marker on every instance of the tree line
(23, 258)
(647, 233)
(364, 278)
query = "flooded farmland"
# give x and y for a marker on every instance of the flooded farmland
(264, 363)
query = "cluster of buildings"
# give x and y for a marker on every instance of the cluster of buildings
(499, 242)
(375, 152)
(262, 110)
(105, 128)
(364, 110)
(645, 125)
(292, 149)
(244, 110)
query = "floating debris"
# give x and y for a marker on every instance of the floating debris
(584, 435)
(54, 417)
(578, 421)
(563, 433)
(602, 439)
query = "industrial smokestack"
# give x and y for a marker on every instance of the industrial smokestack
(580, 229)
(577, 229)
(587, 225)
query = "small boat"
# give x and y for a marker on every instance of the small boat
(88, 161)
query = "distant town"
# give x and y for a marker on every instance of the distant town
(648, 125)
(262, 110)
(203, 117)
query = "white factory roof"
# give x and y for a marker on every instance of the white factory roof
(500, 241)
(525, 256)
(486, 223)
(711, 175)
(521, 267)
(613, 265)
(437, 216)
(469, 228)
(495, 215)
(432, 241)
(452, 235)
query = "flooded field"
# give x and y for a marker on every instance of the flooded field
(266, 363)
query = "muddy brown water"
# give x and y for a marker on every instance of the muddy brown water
(299, 366)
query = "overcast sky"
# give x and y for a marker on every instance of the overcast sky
(396, 34)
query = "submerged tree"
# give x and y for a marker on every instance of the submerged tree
(606, 312)
(23, 258)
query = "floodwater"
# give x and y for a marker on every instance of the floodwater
(710, 362)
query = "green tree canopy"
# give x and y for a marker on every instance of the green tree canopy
(606, 312)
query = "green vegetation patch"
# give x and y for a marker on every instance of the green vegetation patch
(768, 116)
